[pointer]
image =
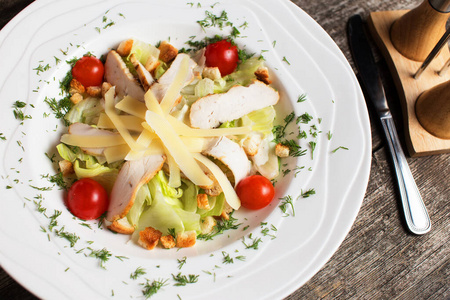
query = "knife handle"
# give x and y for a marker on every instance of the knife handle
(416, 214)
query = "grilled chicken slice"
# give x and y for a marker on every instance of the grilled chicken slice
(132, 176)
(212, 110)
(117, 74)
(230, 154)
(145, 77)
(87, 130)
(160, 88)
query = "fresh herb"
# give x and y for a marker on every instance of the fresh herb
(71, 237)
(312, 144)
(139, 271)
(181, 262)
(18, 113)
(182, 280)
(329, 135)
(212, 20)
(340, 147)
(59, 108)
(308, 193)
(301, 98)
(286, 202)
(279, 131)
(103, 255)
(254, 245)
(151, 289)
(227, 259)
(305, 118)
(220, 228)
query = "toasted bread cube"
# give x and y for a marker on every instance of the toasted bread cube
(251, 144)
(75, 98)
(122, 226)
(207, 224)
(202, 202)
(124, 48)
(167, 241)
(167, 52)
(281, 150)
(76, 87)
(66, 167)
(186, 239)
(212, 73)
(94, 91)
(262, 74)
(151, 64)
(105, 88)
(149, 238)
(227, 209)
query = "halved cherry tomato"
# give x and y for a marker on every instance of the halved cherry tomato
(87, 199)
(89, 71)
(255, 192)
(223, 55)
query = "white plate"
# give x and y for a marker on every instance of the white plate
(304, 60)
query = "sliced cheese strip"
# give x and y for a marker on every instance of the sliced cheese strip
(131, 123)
(93, 141)
(228, 190)
(177, 149)
(111, 113)
(116, 153)
(168, 102)
(175, 177)
(152, 103)
(144, 140)
(132, 106)
(183, 129)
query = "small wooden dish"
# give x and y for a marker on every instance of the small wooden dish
(419, 141)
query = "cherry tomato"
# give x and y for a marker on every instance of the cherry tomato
(255, 192)
(89, 71)
(223, 55)
(87, 199)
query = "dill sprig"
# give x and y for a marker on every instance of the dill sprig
(286, 202)
(138, 272)
(151, 289)
(220, 228)
(182, 280)
(103, 255)
(212, 20)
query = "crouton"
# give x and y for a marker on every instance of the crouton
(122, 226)
(262, 74)
(75, 98)
(167, 52)
(227, 210)
(94, 91)
(105, 87)
(124, 48)
(251, 144)
(149, 238)
(151, 64)
(207, 224)
(212, 73)
(281, 150)
(66, 167)
(76, 87)
(186, 239)
(167, 241)
(202, 201)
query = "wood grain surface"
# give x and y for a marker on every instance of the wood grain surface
(379, 259)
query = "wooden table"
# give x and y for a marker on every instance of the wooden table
(379, 259)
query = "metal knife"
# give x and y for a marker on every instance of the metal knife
(416, 214)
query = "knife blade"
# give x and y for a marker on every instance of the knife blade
(415, 212)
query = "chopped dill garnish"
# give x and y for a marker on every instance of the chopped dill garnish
(312, 144)
(103, 255)
(211, 20)
(151, 289)
(71, 237)
(182, 280)
(308, 193)
(340, 147)
(305, 118)
(221, 227)
(139, 271)
(286, 61)
(181, 262)
(254, 245)
(286, 202)
(301, 98)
